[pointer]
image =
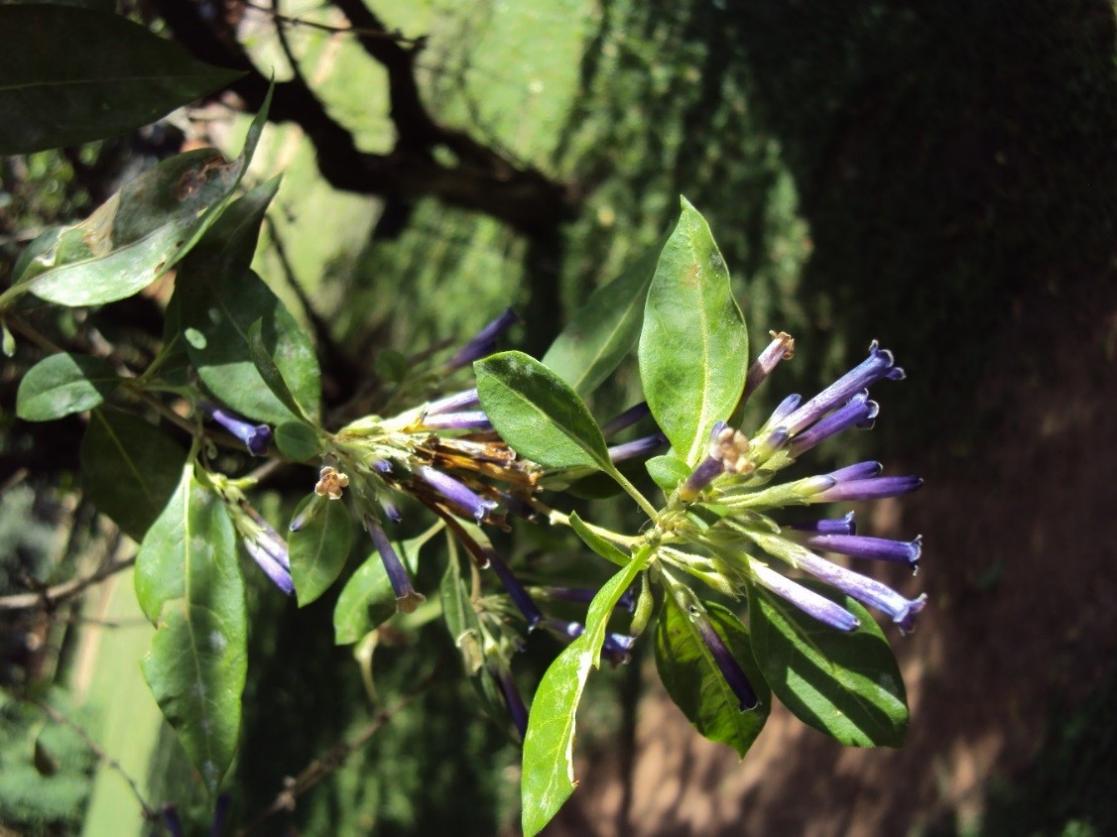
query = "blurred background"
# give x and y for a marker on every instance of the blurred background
(939, 176)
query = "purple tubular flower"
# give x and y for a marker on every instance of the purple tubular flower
(383, 466)
(520, 597)
(841, 526)
(708, 469)
(626, 419)
(617, 648)
(807, 600)
(860, 546)
(270, 554)
(256, 437)
(512, 698)
(483, 342)
(637, 448)
(454, 403)
(457, 494)
(857, 471)
(220, 814)
(867, 489)
(866, 590)
(584, 595)
(730, 669)
(562, 629)
(171, 821)
(783, 410)
(859, 411)
(782, 347)
(391, 510)
(879, 364)
(466, 420)
(407, 598)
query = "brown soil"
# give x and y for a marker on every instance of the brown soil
(1019, 565)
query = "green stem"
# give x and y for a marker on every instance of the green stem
(633, 492)
(562, 519)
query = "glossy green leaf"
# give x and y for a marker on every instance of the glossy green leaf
(319, 549)
(692, 678)
(845, 684)
(141, 231)
(603, 330)
(297, 441)
(197, 662)
(62, 86)
(367, 600)
(694, 346)
(667, 471)
(129, 469)
(538, 414)
(460, 615)
(62, 384)
(547, 779)
(218, 313)
(609, 551)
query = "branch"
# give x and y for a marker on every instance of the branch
(51, 597)
(111, 763)
(321, 767)
(522, 197)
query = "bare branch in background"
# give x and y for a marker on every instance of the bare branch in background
(482, 179)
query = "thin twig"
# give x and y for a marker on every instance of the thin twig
(367, 32)
(105, 758)
(321, 767)
(51, 597)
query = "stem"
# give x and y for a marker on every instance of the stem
(635, 494)
(562, 519)
(53, 596)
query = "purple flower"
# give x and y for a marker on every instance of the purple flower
(859, 411)
(466, 420)
(383, 466)
(453, 403)
(857, 471)
(460, 496)
(637, 448)
(407, 598)
(879, 364)
(808, 601)
(484, 341)
(841, 526)
(860, 546)
(866, 590)
(730, 669)
(516, 591)
(255, 437)
(269, 551)
(391, 510)
(866, 489)
(617, 648)
(782, 347)
(626, 419)
(512, 699)
(783, 410)
(564, 630)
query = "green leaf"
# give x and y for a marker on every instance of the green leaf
(228, 246)
(129, 469)
(667, 471)
(141, 231)
(603, 330)
(694, 346)
(461, 617)
(538, 414)
(217, 314)
(62, 384)
(196, 665)
(548, 766)
(319, 549)
(692, 678)
(7, 341)
(845, 684)
(608, 551)
(367, 600)
(72, 75)
(297, 441)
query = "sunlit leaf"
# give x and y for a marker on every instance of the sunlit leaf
(693, 346)
(319, 550)
(62, 384)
